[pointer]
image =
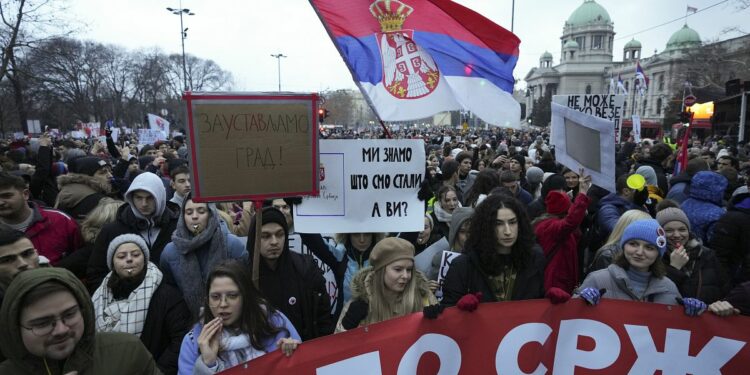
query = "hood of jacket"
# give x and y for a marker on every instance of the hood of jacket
(459, 217)
(617, 201)
(740, 203)
(708, 186)
(74, 187)
(152, 184)
(10, 334)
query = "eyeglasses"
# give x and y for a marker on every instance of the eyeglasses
(215, 299)
(44, 327)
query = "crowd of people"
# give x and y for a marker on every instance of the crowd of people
(108, 265)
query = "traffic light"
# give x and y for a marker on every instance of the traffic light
(322, 114)
(685, 117)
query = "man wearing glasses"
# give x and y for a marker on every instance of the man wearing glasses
(48, 328)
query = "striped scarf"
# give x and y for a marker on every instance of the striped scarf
(128, 315)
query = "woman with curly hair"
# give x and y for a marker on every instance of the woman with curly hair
(502, 260)
(486, 180)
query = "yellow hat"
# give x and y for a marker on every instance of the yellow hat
(636, 182)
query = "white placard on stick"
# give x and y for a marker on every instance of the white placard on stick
(366, 186)
(149, 136)
(606, 106)
(583, 140)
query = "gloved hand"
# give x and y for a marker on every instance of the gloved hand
(469, 302)
(356, 313)
(592, 295)
(693, 306)
(557, 295)
(432, 311)
(425, 192)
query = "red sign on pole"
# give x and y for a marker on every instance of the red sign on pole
(689, 100)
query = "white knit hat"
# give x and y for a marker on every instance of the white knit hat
(126, 238)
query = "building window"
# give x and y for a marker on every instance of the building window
(658, 107)
(611, 39)
(643, 110)
(581, 40)
(627, 55)
(627, 86)
(661, 82)
(588, 89)
(596, 43)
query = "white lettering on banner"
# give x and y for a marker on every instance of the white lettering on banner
(365, 364)
(443, 346)
(506, 358)
(567, 354)
(675, 359)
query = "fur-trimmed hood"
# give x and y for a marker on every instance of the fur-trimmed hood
(75, 187)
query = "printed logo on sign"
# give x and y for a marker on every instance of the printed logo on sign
(409, 72)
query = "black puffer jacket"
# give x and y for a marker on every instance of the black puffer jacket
(465, 276)
(702, 276)
(732, 239)
(167, 322)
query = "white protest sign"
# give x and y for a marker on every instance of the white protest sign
(115, 134)
(77, 134)
(636, 128)
(296, 245)
(423, 260)
(157, 123)
(445, 264)
(18, 135)
(366, 185)
(583, 140)
(34, 126)
(94, 128)
(149, 137)
(608, 107)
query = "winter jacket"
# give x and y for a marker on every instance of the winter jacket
(465, 184)
(561, 236)
(702, 277)
(536, 208)
(739, 298)
(80, 194)
(296, 285)
(170, 257)
(680, 188)
(167, 321)
(611, 207)
(604, 257)
(465, 276)
(524, 196)
(190, 352)
(155, 230)
(53, 233)
(615, 279)
(732, 239)
(361, 287)
(95, 353)
(441, 219)
(704, 207)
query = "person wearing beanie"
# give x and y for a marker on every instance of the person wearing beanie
(199, 242)
(638, 273)
(705, 205)
(466, 175)
(134, 298)
(292, 282)
(147, 214)
(535, 177)
(553, 182)
(390, 287)
(89, 181)
(692, 266)
(558, 233)
(655, 194)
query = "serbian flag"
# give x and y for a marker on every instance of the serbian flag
(158, 123)
(415, 58)
(682, 155)
(640, 74)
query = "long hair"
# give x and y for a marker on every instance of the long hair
(657, 269)
(483, 234)
(628, 217)
(255, 314)
(104, 213)
(382, 308)
(345, 238)
(486, 180)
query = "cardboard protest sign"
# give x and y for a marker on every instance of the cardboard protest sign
(603, 106)
(149, 137)
(366, 185)
(251, 147)
(583, 140)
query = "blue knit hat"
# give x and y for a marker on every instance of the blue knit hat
(647, 230)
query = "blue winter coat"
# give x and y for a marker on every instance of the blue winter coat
(704, 207)
(611, 207)
(170, 258)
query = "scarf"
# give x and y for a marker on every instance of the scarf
(127, 315)
(195, 277)
(235, 350)
(442, 215)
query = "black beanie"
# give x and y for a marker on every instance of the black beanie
(553, 182)
(87, 165)
(270, 215)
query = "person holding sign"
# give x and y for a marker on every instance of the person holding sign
(558, 233)
(638, 273)
(388, 288)
(237, 325)
(501, 260)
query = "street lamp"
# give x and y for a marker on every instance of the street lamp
(183, 34)
(278, 57)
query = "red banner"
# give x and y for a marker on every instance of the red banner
(529, 337)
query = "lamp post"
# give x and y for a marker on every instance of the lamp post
(183, 34)
(278, 57)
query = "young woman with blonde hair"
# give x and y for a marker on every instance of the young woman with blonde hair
(606, 254)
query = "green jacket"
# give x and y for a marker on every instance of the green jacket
(95, 353)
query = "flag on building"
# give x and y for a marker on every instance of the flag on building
(621, 85)
(691, 9)
(414, 58)
(640, 77)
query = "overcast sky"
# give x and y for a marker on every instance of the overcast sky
(240, 35)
